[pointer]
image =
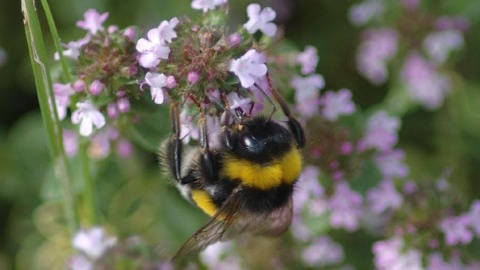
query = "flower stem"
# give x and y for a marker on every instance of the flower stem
(56, 40)
(38, 57)
(89, 185)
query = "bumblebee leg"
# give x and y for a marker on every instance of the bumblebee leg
(174, 145)
(206, 159)
(293, 123)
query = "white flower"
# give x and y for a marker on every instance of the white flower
(260, 20)
(153, 49)
(93, 242)
(308, 59)
(157, 82)
(88, 116)
(206, 5)
(249, 67)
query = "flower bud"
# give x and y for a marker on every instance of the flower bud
(96, 87)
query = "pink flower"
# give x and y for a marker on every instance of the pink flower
(220, 256)
(259, 19)
(425, 84)
(99, 147)
(307, 93)
(123, 105)
(381, 131)
(237, 102)
(456, 230)
(345, 207)
(80, 262)
(153, 49)
(378, 47)
(188, 129)
(362, 13)
(439, 45)
(73, 48)
(156, 82)
(389, 255)
(124, 148)
(249, 67)
(474, 214)
(391, 163)
(206, 5)
(410, 4)
(308, 60)
(323, 252)
(336, 104)
(309, 188)
(92, 21)
(79, 85)
(70, 142)
(193, 77)
(62, 93)
(165, 31)
(384, 197)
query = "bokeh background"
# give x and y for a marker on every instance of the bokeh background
(133, 197)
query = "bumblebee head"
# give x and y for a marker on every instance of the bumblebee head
(258, 139)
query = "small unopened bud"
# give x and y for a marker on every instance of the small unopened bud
(171, 82)
(193, 77)
(124, 148)
(96, 87)
(234, 39)
(123, 105)
(130, 33)
(79, 86)
(112, 110)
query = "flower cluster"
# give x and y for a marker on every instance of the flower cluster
(425, 49)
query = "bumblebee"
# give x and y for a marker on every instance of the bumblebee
(246, 183)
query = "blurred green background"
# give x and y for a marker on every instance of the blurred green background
(30, 215)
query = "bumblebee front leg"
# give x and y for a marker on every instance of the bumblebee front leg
(206, 159)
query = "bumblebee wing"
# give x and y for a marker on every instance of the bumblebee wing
(218, 228)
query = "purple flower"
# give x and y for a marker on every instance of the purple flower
(96, 87)
(365, 11)
(73, 48)
(206, 5)
(345, 206)
(381, 131)
(193, 77)
(237, 102)
(388, 255)
(112, 110)
(99, 147)
(156, 82)
(93, 242)
(70, 142)
(92, 21)
(123, 105)
(307, 93)
(474, 214)
(384, 197)
(438, 45)
(378, 46)
(249, 67)
(124, 148)
(259, 19)
(391, 163)
(165, 31)
(88, 116)
(336, 104)
(62, 93)
(79, 262)
(171, 82)
(308, 60)
(323, 252)
(187, 128)
(456, 230)
(425, 84)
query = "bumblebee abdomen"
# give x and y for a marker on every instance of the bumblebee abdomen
(280, 171)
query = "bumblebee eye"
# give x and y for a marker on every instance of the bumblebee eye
(249, 141)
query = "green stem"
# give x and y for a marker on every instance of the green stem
(48, 110)
(56, 40)
(89, 185)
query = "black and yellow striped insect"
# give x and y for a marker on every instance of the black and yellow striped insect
(246, 183)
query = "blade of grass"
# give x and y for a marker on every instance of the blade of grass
(46, 101)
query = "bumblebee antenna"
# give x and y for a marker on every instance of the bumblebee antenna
(269, 100)
(225, 109)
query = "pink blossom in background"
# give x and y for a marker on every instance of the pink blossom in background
(425, 85)
(93, 242)
(206, 5)
(384, 197)
(366, 11)
(62, 93)
(474, 215)
(391, 163)
(452, 23)
(99, 147)
(96, 87)
(322, 252)
(70, 142)
(390, 254)
(308, 60)
(456, 230)
(93, 21)
(248, 68)
(410, 4)
(439, 45)
(377, 48)
(346, 208)
(381, 131)
(335, 104)
(73, 48)
(260, 19)
(307, 93)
